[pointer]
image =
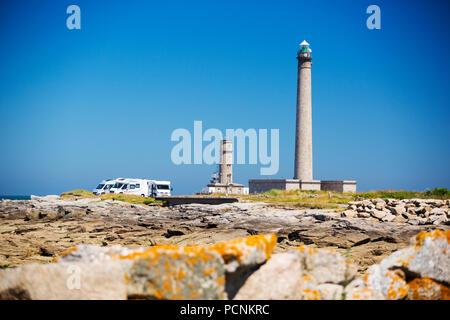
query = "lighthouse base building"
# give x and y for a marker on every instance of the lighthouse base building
(263, 185)
(303, 165)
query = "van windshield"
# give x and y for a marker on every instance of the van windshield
(163, 186)
(100, 186)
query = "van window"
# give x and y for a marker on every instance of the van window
(118, 185)
(100, 186)
(108, 186)
(124, 186)
(163, 186)
(132, 186)
(138, 185)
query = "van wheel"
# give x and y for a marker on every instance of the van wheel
(142, 195)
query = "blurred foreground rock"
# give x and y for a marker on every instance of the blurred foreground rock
(420, 271)
(65, 281)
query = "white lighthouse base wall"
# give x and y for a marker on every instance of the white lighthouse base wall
(263, 185)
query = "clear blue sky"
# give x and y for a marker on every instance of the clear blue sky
(77, 106)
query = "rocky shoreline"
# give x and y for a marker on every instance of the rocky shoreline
(412, 211)
(43, 228)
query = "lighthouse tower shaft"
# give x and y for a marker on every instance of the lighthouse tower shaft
(226, 162)
(303, 168)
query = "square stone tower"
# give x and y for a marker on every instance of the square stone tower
(225, 182)
(226, 162)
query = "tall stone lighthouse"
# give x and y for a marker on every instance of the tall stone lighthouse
(303, 164)
(303, 167)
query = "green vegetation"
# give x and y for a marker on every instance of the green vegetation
(442, 193)
(298, 198)
(129, 198)
(305, 199)
(81, 194)
(437, 193)
(4, 266)
(78, 193)
(335, 200)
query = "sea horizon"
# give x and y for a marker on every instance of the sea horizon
(15, 197)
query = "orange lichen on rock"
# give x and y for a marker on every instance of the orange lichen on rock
(309, 250)
(398, 289)
(433, 235)
(427, 289)
(65, 253)
(174, 252)
(390, 284)
(180, 275)
(308, 294)
(158, 294)
(361, 294)
(405, 262)
(208, 272)
(174, 272)
(240, 249)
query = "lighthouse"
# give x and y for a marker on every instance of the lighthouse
(303, 162)
(303, 167)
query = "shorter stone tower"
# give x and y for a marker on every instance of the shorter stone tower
(225, 182)
(226, 162)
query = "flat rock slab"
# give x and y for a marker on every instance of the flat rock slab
(177, 200)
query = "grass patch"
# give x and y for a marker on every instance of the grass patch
(439, 192)
(78, 193)
(335, 200)
(129, 198)
(301, 198)
(81, 194)
(4, 266)
(436, 193)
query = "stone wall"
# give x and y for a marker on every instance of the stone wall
(338, 185)
(263, 185)
(233, 188)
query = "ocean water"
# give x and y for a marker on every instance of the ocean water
(15, 197)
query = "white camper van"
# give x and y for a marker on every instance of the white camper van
(119, 182)
(138, 187)
(104, 187)
(160, 188)
(141, 187)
